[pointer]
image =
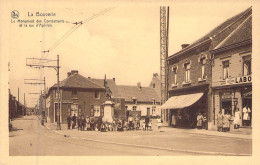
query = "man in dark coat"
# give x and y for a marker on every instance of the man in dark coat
(69, 121)
(83, 123)
(92, 123)
(79, 122)
(146, 122)
(73, 121)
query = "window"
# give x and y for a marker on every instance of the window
(153, 85)
(134, 108)
(247, 65)
(74, 93)
(154, 101)
(225, 69)
(203, 62)
(96, 110)
(175, 75)
(134, 101)
(153, 110)
(56, 94)
(187, 72)
(97, 96)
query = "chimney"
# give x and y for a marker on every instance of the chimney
(155, 75)
(184, 45)
(68, 74)
(139, 85)
(74, 72)
(114, 79)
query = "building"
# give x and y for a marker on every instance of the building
(190, 77)
(156, 84)
(139, 100)
(232, 74)
(79, 96)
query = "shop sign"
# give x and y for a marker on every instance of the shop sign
(226, 96)
(239, 80)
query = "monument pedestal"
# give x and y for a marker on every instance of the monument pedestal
(108, 111)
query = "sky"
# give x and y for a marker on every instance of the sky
(123, 43)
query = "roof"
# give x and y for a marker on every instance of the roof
(143, 94)
(78, 81)
(219, 31)
(110, 83)
(244, 32)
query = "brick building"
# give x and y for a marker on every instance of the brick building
(190, 76)
(79, 96)
(232, 74)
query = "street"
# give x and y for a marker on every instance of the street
(30, 138)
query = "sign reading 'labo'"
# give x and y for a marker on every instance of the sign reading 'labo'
(239, 80)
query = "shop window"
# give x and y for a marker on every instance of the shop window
(225, 69)
(247, 65)
(134, 108)
(97, 95)
(187, 72)
(96, 110)
(203, 63)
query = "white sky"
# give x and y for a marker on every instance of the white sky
(122, 43)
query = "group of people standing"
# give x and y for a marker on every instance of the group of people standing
(83, 123)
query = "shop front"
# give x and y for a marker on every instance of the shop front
(182, 111)
(229, 99)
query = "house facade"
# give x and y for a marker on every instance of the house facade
(140, 100)
(190, 77)
(78, 95)
(232, 74)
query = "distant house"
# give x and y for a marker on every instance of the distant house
(79, 96)
(138, 98)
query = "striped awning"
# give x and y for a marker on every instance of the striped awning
(182, 101)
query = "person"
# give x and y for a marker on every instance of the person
(137, 123)
(99, 122)
(226, 122)
(237, 119)
(220, 121)
(199, 121)
(173, 120)
(130, 119)
(246, 116)
(73, 121)
(69, 121)
(146, 122)
(159, 121)
(120, 126)
(91, 123)
(79, 122)
(87, 123)
(83, 123)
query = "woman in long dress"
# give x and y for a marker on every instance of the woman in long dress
(237, 119)
(199, 121)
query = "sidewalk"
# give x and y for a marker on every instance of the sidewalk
(240, 133)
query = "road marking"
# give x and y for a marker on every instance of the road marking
(153, 147)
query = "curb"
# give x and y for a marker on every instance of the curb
(153, 147)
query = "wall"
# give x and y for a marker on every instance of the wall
(143, 108)
(235, 65)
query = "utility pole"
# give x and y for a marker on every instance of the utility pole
(38, 63)
(18, 106)
(58, 90)
(24, 104)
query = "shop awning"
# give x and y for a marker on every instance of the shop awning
(182, 101)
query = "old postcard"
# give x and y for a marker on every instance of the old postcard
(90, 82)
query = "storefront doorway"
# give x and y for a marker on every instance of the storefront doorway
(247, 108)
